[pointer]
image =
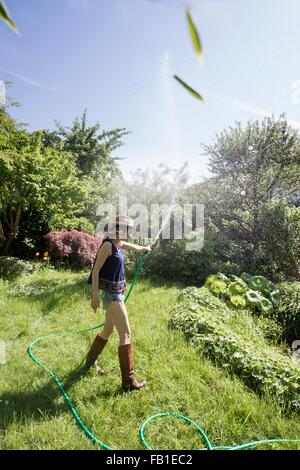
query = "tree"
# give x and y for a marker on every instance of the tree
(250, 167)
(93, 155)
(92, 149)
(32, 175)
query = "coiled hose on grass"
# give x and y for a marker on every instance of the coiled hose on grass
(94, 438)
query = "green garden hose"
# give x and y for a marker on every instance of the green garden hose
(94, 438)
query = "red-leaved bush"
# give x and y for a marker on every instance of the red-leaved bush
(78, 248)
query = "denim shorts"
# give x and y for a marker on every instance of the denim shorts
(110, 296)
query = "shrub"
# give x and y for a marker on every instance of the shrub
(30, 234)
(288, 311)
(11, 267)
(232, 340)
(171, 260)
(77, 249)
(271, 329)
(132, 259)
(279, 303)
(279, 249)
(227, 267)
(285, 300)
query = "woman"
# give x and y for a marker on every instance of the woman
(108, 274)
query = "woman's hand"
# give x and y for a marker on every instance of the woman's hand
(147, 249)
(95, 302)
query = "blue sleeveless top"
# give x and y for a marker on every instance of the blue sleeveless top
(112, 273)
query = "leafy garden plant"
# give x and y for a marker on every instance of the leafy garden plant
(255, 292)
(233, 340)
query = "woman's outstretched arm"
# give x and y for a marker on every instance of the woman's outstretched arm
(133, 247)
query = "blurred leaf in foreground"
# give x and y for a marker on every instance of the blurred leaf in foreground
(4, 14)
(195, 36)
(193, 92)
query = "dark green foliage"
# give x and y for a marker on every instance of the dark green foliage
(30, 235)
(171, 261)
(288, 310)
(279, 249)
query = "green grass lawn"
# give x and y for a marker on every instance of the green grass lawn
(33, 414)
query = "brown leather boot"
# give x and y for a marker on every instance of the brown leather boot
(129, 381)
(96, 348)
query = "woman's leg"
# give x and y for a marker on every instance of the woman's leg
(99, 343)
(108, 328)
(118, 317)
(118, 312)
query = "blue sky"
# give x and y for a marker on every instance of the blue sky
(116, 58)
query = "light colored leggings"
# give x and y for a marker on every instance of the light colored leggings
(116, 316)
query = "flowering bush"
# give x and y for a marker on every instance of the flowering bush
(78, 249)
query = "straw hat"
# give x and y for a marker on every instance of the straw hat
(124, 220)
(120, 220)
